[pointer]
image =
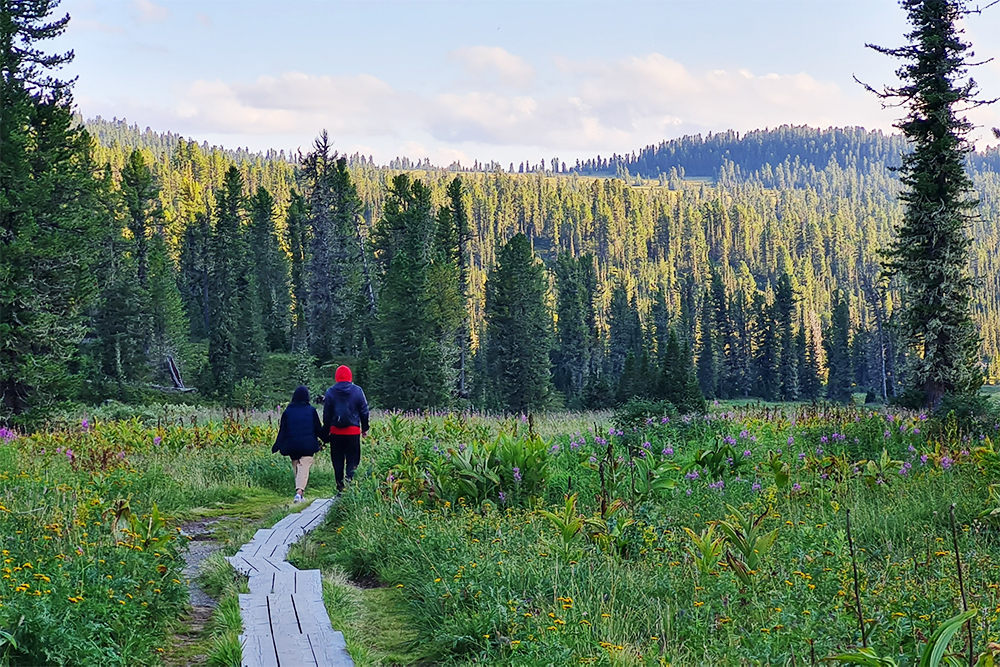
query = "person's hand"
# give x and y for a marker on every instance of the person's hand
(364, 434)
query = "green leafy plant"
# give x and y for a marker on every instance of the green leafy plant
(933, 653)
(568, 524)
(707, 548)
(880, 471)
(748, 537)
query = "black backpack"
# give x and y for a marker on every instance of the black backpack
(341, 411)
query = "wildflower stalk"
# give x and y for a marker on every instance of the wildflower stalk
(961, 583)
(857, 587)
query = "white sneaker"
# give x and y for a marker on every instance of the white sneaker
(297, 498)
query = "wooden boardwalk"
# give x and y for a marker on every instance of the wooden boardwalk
(284, 621)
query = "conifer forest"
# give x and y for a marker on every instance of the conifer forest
(724, 399)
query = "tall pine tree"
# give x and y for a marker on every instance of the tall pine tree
(518, 330)
(270, 264)
(50, 209)
(930, 251)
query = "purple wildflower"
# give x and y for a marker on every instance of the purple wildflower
(946, 463)
(796, 487)
(824, 439)
(502, 497)
(693, 475)
(791, 440)
(156, 441)
(755, 487)
(517, 474)
(668, 451)
(85, 424)
(923, 459)
(747, 453)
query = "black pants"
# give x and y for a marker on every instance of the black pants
(345, 449)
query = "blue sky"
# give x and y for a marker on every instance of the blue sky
(475, 80)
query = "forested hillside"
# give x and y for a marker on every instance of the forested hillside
(815, 204)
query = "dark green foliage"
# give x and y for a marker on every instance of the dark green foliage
(624, 330)
(51, 206)
(298, 243)
(708, 374)
(838, 353)
(768, 350)
(335, 316)
(788, 357)
(140, 199)
(572, 355)
(678, 382)
(195, 276)
(411, 375)
(236, 343)
(930, 250)
(518, 330)
(270, 266)
(168, 332)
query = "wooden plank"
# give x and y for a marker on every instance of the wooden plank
(258, 651)
(262, 583)
(309, 583)
(330, 649)
(284, 582)
(311, 614)
(253, 610)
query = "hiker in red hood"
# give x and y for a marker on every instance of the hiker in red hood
(345, 418)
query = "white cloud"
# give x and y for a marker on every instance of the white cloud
(586, 107)
(492, 62)
(150, 12)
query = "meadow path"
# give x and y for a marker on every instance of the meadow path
(284, 621)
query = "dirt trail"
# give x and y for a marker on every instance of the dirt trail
(200, 546)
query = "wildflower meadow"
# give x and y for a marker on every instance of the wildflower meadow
(747, 536)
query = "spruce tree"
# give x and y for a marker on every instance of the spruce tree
(841, 370)
(334, 316)
(167, 320)
(270, 265)
(571, 329)
(412, 370)
(788, 360)
(140, 196)
(930, 251)
(463, 230)
(518, 329)
(296, 228)
(708, 374)
(51, 205)
(228, 267)
(724, 342)
(195, 278)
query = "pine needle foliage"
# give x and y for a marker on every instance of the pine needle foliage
(930, 251)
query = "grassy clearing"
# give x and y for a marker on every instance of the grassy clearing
(89, 521)
(499, 550)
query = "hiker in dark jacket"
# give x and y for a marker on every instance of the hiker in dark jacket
(299, 436)
(345, 419)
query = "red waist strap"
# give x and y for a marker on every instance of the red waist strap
(350, 430)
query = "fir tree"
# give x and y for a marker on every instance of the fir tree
(168, 323)
(335, 317)
(411, 374)
(196, 265)
(518, 329)
(571, 330)
(50, 210)
(228, 268)
(298, 243)
(270, 266)
(788, 360)
(708, 375)
(838, 385)
(930, 251)
(140, 196)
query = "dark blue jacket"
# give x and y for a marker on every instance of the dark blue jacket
(299, 432)
(356, 401)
